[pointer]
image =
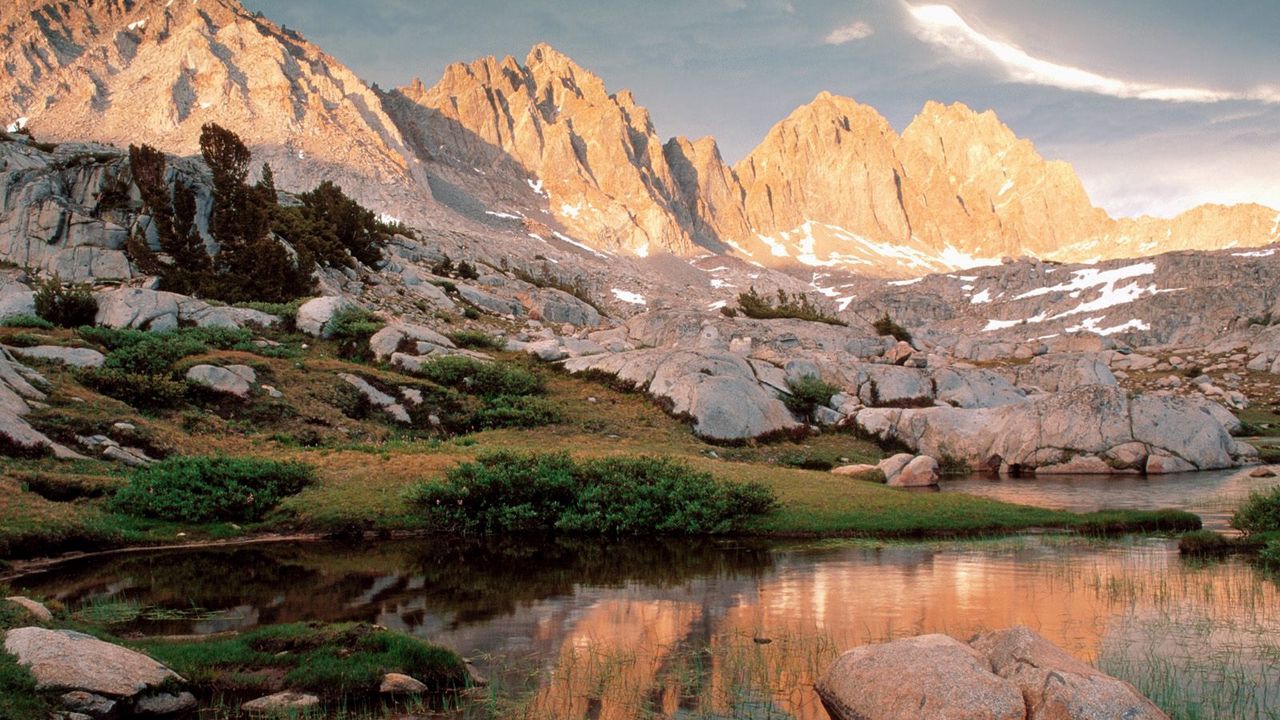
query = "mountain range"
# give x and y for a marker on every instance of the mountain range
(541, 148)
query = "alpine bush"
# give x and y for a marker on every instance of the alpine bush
(515, 411)
(476, 340)
(807, 393)
(26, 321)
(476, 377)
(512, 492)
(65, 305)
(1259, 514)
(798, 306)
(885, 326)
(351, 327)
(209, 489)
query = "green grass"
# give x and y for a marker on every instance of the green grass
(330, 660)
(19, 699)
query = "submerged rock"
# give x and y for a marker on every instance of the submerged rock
(281, 702)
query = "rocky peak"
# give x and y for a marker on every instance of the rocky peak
(156, 71)
(593, 160)
(831, 161)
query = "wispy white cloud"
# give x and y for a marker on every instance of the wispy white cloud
(856, 30)
(942, 26)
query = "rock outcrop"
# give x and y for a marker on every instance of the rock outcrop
(19, 390)
(1090, 429)
(721, 392)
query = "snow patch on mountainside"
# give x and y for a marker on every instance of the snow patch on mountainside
(627, 296)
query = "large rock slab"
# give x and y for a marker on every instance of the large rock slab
(74, 357)
(930, 676)
(157, 310)
(1054, 373)
(1057, 686)
(18, 390)
(558, 307)
(719, 391)
(389, 340)
(68, 660)
(235, 380)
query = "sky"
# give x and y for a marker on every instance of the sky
(1159, 104)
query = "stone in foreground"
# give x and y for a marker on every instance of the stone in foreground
(931, 676)
(1014, 673)
(68, 660)
(1057, 686)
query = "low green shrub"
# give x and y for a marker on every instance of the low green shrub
(809, 460)
(486, 379)
(351, 327)
(806, 394)
(65, 304)
(1206, 543)
(476, 340)
(208, 489)
(1259, 514)
(287, 312)
(886, 326)
(515, 411)
(1269, 556)
(511, 492)
(26, 321)
(142, 352)
(27, 339)
(148, 392)
(797, 306)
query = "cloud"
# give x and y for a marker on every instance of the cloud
(942, 26)
(848, 33)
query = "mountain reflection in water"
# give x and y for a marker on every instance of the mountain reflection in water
(586, 628)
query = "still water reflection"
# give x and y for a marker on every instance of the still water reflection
(1211, 495)
(677, 629)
